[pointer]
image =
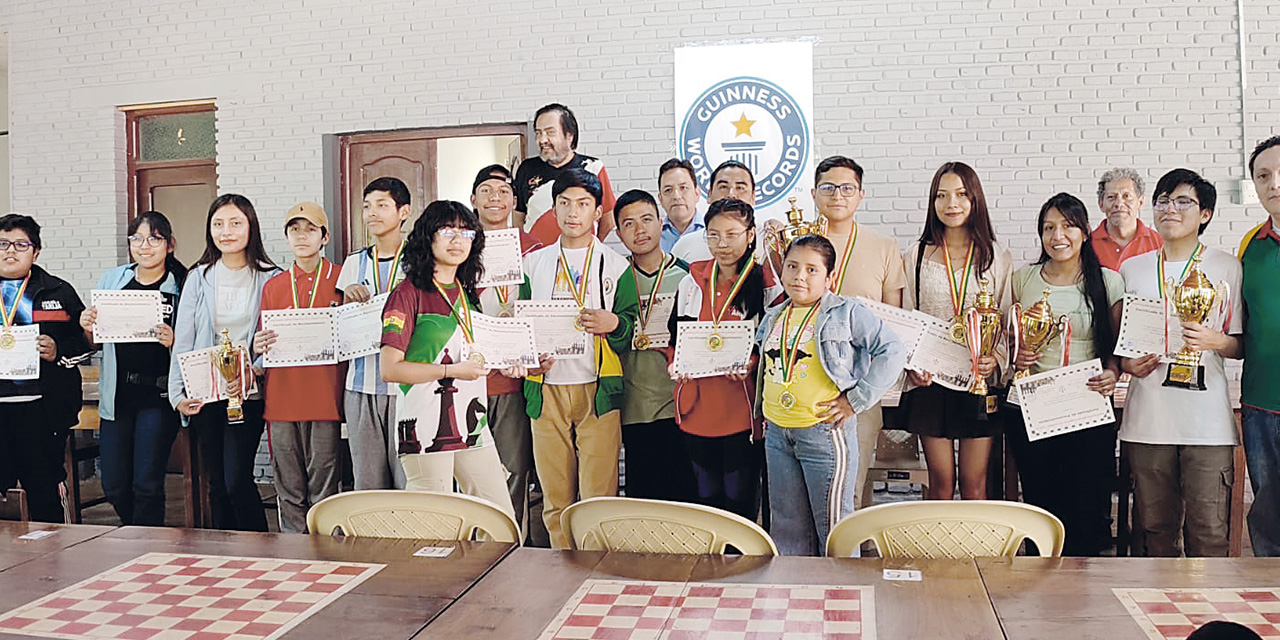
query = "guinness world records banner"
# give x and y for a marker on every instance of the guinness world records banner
(752, 103)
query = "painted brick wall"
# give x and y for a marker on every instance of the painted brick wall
(1040, 96)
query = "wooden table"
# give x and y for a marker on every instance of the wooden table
(396, 602)
(521, 596)
(1072, 598)
(14, 551)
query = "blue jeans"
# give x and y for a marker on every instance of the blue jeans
(1262, 454)
(135, 453)
(811, 482)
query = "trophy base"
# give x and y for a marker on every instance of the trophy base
(235, 414)
(1185, 376)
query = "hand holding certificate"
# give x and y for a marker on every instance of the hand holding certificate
(706, 349)
(304, 337)
(1144, 325)
(1060, 401)
(950, 362)
(202, 380)
(127, 315)
(555, 327)
(19, 352)
(907, 324)
(501, 258)
(504, 342)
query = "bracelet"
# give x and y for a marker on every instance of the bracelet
(446, 371)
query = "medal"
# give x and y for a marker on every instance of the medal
(577, 324)
(715, 342)
(579, 292)
(464, 320)
(504, 300)
(786, 400)
(789, 349)
(391, 275)
(641, 340)
(7, 340)
(958, 331)
(958, 291)
(477, 358)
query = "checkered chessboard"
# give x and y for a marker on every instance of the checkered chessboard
(167, 596)
(617, 610)
(1166, 614)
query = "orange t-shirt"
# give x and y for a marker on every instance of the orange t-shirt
(303, 394)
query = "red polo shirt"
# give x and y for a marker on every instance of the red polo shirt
(1111, 254)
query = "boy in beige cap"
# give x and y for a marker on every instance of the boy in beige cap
(302, 402)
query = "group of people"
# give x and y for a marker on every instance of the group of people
(793, 433)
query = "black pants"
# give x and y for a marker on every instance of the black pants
(32, 453)
(727, 472)
(657, 462)
(1070, 476)
(227, 454)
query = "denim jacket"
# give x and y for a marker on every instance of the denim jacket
(193, 324)
(116, 279)
(862, 357)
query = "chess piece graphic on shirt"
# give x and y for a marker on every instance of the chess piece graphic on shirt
(448, 437)
(1193, 299)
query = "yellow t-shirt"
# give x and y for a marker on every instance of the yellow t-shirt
(809, 382)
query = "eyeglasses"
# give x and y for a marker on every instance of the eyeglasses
(150, 241)
(847, 190)
(714, 238)
(448, 234)
(21, 246)
(1183, 205)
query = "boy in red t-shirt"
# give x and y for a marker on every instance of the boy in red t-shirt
(302, 401)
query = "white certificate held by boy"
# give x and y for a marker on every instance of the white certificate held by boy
(557, 327)
(500, 343)
(1060, 401)
(20, 352)
(304, 337)
(127, 315)
(502, 260)
(705, 349)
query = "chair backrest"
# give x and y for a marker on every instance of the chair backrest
(948, 529)
(411, 514)
(13, 505)
(657, 526)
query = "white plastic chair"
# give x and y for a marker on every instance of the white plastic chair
(948, 529)
(423, 515)
(657, 526)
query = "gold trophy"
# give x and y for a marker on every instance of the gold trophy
(983, 327)
(230, 363)
(778, 240)
(1193, 299)
(1036, 327)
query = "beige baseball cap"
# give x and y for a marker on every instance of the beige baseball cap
(309, 211)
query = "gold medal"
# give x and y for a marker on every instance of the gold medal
(7, 341)
(477, 358)
(640, 342)
(958, 332)
(9, 316)
(786, 400)
(577, 324)
(715, 342)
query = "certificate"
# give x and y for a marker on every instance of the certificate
(202, 380)
(126, 315)
(19, 354)
(1142, 329)
(504, 342)
(656, 330)
(501, 259)
(907, 324)
(1060, 401)
(935, 353)
(553, 327)
(304, 337)
(359, 327)
(704, 350)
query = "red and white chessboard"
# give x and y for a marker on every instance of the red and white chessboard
(168, 596)
(1166, 614)
(617, 610)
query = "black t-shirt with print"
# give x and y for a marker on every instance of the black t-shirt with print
(148, 360)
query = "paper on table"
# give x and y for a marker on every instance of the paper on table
(1142, 329)
(1059, 401)
(696, 359)
(504, 342)
(359, 326)
(948, 361)
(126, 315)
(202, 380)
(656, 330)
(553, 327)
(501, 258)
(304, 337)
(21, 360)
(907, 324)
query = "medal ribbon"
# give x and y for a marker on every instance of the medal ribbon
(716, 316)
(579, 292)
(958, 289)
(463, 317)
(315, 286)
(1160, 277)
(653, 295)
(788, 360)
(391, 275)
(844, 261)
(9, 315)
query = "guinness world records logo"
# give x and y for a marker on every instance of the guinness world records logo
(755, 122)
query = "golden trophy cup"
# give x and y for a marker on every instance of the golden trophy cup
(778, 240)
(230, 361)
(1036, 327)
(982, 324)
(1193, 299)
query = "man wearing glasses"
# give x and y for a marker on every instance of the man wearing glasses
(1121, 235)
(36, 413)
(1181, 440)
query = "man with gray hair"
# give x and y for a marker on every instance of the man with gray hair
(1122, 235)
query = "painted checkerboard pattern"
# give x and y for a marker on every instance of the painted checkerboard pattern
(618, 610)
(167, 596)
(1165, 614)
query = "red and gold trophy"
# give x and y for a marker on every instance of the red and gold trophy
(1193, 299)
(982, 327)
(233, 364)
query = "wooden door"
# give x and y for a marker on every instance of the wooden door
(412, 161)
(182, 194)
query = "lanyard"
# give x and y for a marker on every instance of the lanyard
(653, 295)
(579, 292)
(391, 275)
(315, 286)
(844, 261)
(9, 315)
(1195, 253)
(463, 317)
(788, 359)
(958, 289)
(716, 316)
